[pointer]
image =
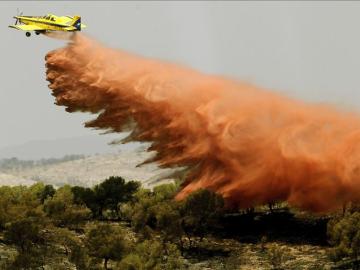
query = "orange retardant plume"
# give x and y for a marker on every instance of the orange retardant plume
(248, 144)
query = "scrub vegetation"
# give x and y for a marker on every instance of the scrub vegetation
(117, 224)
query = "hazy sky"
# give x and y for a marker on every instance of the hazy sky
(303, 49)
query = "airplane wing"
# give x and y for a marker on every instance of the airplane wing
(27, 27)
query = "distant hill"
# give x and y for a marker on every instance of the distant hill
(15, 164)
(57, 148)
(90, 170)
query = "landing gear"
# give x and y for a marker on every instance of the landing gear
(28, 34)
(37, 33)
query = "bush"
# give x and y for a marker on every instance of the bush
(200, 212)
(151, 210)
(344, 235)
(106, 242)
(108, 195)
(29, 239)
(62, 210)
(153, 255)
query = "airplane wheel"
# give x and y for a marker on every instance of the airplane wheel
(28, 34)
(37, 33)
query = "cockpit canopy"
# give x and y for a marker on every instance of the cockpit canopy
(49, 17)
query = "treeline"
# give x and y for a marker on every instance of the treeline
(114, 223)
(120, 225)
(14, 163)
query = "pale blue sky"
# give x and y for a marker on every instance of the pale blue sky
(309, 50)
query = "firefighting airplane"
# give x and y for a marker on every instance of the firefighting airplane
(47, 23)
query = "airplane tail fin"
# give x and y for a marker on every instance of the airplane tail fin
(76, 22)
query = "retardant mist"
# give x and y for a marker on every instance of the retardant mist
(248, 144)
(60, 35)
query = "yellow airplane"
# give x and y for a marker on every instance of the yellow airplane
(47, 23)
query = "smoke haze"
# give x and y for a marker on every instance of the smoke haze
(248, 144)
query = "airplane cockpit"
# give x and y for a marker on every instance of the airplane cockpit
(49, 17)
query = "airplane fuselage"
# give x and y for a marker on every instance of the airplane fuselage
(47, 23)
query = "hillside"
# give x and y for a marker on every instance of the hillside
(88, 170)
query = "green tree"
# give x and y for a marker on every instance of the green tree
(156, 212)
(148, 212)
(17, 203)
(28, 238)
(114, 191)
(165, 192)
(62, 210)
(168, 222)
(200, 211)
(108, 195)
(140, 212)
(151, 255)
(86, 196)
(23, 234)
(32, 259)
(106, 242)
(47, 192)
(73, 247)
(6, 203)
(344, 235)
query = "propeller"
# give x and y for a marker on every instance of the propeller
(18, 14)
